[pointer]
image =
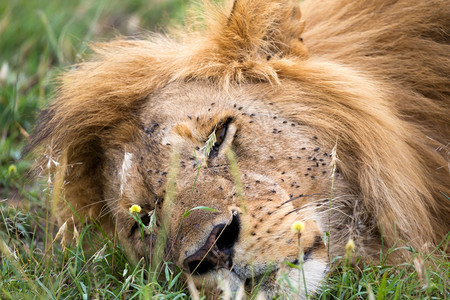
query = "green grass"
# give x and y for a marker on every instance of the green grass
(426, 277)
(39, 39)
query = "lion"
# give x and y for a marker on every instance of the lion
(227, 132)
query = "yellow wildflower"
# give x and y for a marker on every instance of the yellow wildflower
(298, 226)
(135, 209)
(12, 170)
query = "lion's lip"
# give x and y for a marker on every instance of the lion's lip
(251, 276)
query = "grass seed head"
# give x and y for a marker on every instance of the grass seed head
(350, 246)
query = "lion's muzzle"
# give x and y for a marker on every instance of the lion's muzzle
(217, 251)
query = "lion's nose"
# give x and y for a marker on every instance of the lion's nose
(218, 249)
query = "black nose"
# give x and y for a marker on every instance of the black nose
(218, 249)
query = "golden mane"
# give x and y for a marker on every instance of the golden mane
(392, 72)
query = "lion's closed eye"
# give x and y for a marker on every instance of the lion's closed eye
(224, 133)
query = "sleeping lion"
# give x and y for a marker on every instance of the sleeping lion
(335, 118)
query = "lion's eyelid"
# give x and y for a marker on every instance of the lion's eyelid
(223, 130)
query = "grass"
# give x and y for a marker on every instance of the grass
(37, 41)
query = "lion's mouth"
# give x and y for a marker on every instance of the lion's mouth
(253, 276)
(256, 279)
(221, 258)
(212, 258)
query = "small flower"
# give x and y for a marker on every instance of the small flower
(135, 209)
(12, 170)
(298, 226)
(350, 246)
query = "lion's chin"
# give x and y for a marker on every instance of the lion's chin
(267, 281)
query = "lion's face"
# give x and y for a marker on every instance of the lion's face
(136, 125)
(283, 175)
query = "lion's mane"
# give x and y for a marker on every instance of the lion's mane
(376, 84)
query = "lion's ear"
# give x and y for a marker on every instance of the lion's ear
(264, 27)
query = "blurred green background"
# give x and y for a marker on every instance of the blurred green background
(38, 40)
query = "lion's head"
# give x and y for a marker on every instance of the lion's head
(227, 136)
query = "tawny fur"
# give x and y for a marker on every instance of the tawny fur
(374, 78)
